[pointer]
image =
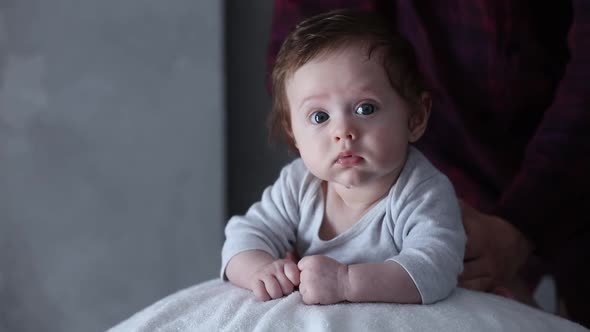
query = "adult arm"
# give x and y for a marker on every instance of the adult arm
(545, 199)
(542, 207)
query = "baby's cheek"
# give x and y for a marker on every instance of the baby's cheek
(388, 145)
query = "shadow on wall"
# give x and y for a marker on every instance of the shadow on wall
(22, 309)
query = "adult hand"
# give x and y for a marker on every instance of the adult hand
(276, 279)
(495, 251)
(323, 280)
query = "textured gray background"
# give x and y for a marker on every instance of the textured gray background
(111, 157)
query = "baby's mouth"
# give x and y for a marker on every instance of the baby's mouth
(348, 159)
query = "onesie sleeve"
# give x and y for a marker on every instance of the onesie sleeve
(269, 225)
(429, 231)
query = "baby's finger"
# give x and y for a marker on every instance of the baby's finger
(303, 263)
(273, 287)
(285, 283)
(292, 256)
(260, 291)
(292, 272)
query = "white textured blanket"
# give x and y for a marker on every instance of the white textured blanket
(219, 306)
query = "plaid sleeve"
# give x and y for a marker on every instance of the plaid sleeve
(546, 199)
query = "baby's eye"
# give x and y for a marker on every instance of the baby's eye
(319, 117)
(365, 109)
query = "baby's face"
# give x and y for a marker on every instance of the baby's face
(350, 126)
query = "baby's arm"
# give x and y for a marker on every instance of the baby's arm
(380, 282)
(325, 280)
(260, 272)
(267, 231)
(429, 232)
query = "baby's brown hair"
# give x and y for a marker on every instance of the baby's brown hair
(325, 33)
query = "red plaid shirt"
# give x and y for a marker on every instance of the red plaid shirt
(511, 101)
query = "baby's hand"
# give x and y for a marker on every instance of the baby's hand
(275, 280)
(323, 280)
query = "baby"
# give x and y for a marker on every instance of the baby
(372, 218)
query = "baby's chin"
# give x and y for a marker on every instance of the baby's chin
(360, 179)
(348, 178)
(351, 181)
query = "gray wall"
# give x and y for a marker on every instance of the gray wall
(111, 157)
(253, 163)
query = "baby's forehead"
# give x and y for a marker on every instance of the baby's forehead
(354, 52)
(362, 48)
(343, 72)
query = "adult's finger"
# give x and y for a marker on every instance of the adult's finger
(475, 241)
(503, 291)
(473, 248)
(476, 268)
(483, 284)
(469, 215)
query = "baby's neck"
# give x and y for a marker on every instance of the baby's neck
(358, 198)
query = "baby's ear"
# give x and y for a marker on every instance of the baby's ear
(419, 118)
